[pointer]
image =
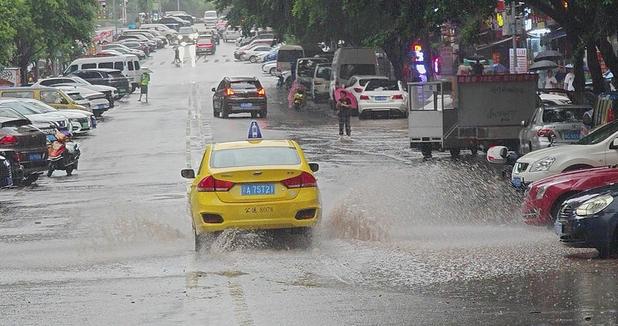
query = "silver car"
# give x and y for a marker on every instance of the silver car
(553, 125)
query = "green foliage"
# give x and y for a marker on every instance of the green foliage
(8, 17)
(192, 7)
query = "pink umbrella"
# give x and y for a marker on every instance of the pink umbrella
(343, 93)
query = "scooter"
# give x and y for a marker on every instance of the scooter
(502, 155)
(299, 100)
(63, 153)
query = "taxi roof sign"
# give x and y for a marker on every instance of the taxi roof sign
(254, 131)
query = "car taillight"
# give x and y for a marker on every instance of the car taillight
(261, 92)
(304, 180)
(398, 97)
(545, 132)
(210, 184)
(209, 45)
(358, 89)
(364, 97)
(229, 92)
(8, 140)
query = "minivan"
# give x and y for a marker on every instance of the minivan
(54, 97)
(288, 54)
(127, 64)
(349, 62)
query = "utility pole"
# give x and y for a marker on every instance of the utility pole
(514, 32)
(178, 4)
(114, 17)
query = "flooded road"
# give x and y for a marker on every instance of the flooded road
(402, 242)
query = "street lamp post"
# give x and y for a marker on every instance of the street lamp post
(114, 17)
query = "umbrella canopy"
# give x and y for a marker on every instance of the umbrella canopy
(543, 65)
(548, 55)
(340, 93)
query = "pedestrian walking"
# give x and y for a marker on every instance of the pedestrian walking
(145, 80)
(344, 110)
(550, 80)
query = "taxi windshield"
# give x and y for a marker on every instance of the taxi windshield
(599, 135)
(238, 157)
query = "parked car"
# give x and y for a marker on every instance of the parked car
(107, 77)
(108, 53)
(46, 122)
(205, 44)
(29, 143)
(252, 53)
(553, 124)
(544, 198)
(128, 65)
(349, 62)
(239, 95)
(152, 45)
(10, 169)
(382, 96)
(599, 148)
(321, 82)
(49, 95)
(232, 34)
(589, 220)
(136, 45)
(356, 84)
(96, 101)
(111, 93)
(149, 34)
(169, 33)
(124, 50)
(81, 122)
(305, 69)
(270, 68)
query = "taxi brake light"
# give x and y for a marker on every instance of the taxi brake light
(210, 184)
(398, 97)
(261, 92)
(304, 180)
(364, 97)
(229, 91)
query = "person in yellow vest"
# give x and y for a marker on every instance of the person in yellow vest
(143, 84)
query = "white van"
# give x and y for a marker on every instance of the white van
(211, 18)
(349, 62)
(128, 64)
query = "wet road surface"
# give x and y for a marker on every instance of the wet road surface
(403, 241)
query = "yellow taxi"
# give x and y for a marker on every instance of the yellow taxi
(253, 184)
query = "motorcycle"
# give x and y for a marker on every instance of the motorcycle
(63, 153)
(503, 156)
(299, 100)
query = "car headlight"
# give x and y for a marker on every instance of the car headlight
(594, 205)
(180, 37)
(542, 164)
(540, 192)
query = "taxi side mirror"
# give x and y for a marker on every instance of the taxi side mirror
(614, 144)
(187, 173)
(213, 89)
(314, 167)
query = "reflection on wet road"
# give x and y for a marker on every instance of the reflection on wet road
(403, 241)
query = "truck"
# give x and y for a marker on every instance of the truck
(470, 112)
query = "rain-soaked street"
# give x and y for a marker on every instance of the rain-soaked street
(402, 241)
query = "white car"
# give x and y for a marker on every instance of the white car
(81, 122)
(356, 84)
(599, 148)
(43, 121)
(111, 93)
(382, 95)
(96, 100)
(270, 68)
(252, 54)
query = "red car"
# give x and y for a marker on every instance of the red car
(544, 197)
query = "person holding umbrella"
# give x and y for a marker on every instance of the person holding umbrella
(344, 110)
(144, 82)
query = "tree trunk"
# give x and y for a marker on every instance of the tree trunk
(580, 80)
(598, 85)
(396, 55)
(607, 50)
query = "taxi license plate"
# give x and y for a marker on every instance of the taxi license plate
(516, 182)
(246, 105)
(381, 98)
(35, 157)
(257, 189)
(571, 135)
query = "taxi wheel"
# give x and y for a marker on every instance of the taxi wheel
(254, 115)
(224, 113)
(263, 114)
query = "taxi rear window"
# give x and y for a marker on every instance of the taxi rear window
(239, 157)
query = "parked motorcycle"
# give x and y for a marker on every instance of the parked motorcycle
(63, 153)
(502, 155)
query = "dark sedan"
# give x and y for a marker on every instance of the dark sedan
(29, 142)
(11, 171)
(107, 77)
(239, 95)
(589, 220)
